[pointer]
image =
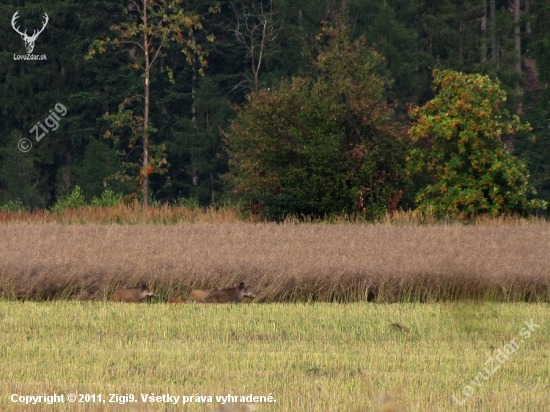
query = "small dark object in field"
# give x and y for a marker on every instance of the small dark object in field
(400, 326)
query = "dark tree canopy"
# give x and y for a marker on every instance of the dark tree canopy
(187, 112)
(321, 145)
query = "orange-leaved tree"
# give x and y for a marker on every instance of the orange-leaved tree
(459, 138)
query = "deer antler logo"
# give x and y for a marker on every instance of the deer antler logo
(29, 40)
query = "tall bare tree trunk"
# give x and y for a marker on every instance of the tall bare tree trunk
(517, 49)
(168, 26)
(484, 33)
(145, 162)
(259, 31)
(460, 51)
(517, 38)
(493, 20)
(212, 198)
(195, 177)
(194, 89)
(527, 24)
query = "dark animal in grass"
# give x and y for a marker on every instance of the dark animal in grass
(229, 295)
(175, 300)
(400, 326)
(136, 294)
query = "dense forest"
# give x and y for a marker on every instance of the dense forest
(283, 107)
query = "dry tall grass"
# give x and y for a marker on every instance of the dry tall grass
(281, 262)
(133, 213)
(128, 214)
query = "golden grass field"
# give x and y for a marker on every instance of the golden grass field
(311, 357)
(319, 335)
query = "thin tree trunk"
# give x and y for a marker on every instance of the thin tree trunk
(195, 177)
(145, 165)
(460, 51)
(517, 38)
(194, 90)
(517, 49)
(527, 24)
(254, 72)
(212, 198)
(483, 33)
(493, 17)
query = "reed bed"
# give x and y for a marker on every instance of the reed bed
(280, 262)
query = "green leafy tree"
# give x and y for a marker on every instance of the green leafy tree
(151, 27)
(108, 198)
(459, 134)
(75, 200)
(320, 145)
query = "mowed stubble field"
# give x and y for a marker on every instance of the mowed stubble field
(311, 357)
(315, 356)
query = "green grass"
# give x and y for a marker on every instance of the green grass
(311, 357)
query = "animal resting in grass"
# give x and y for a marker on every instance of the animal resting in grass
(136, 294)
(216, 296)
(228, 295)
(195, 296)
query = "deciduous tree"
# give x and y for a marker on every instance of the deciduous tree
(151, 27)
(321, 145)
(459, 135)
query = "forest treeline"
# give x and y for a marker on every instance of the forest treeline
(282, 107)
